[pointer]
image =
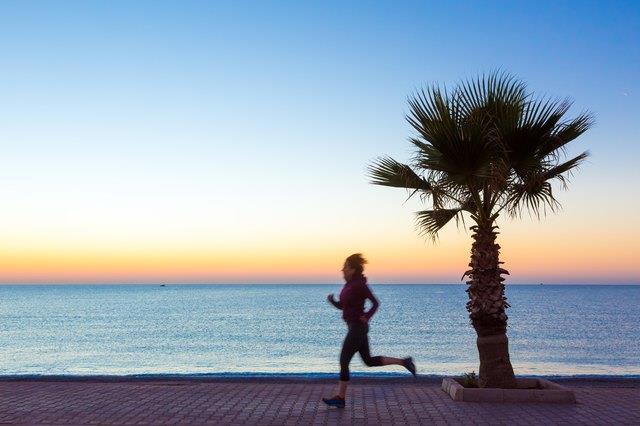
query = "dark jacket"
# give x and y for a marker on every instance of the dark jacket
(352, 298)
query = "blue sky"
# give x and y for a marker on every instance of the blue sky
(247, 126)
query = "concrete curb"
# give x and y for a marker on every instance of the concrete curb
(529, 390)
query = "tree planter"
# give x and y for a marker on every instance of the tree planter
(527, 390)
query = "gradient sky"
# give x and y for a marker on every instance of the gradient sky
(228, 142)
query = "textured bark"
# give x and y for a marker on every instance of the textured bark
(495, 366)
(487, 308)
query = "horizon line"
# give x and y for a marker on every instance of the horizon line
(290, 283)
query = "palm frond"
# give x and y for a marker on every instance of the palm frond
(535, 197)
(542, 116)
(448, 142)
(430, 115)
(429, 222)
(574, 128)
(490, 92)
(388, 172)
(565, 133)
(557, 172)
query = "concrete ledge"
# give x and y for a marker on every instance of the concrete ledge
(528, 390)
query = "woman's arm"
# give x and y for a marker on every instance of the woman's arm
(374, 307)
(335, 303)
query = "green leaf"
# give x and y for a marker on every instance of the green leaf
(388, 172)
(535, 196)
(568, 166)
(431, 221)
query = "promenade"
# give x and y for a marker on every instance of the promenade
(296, 402)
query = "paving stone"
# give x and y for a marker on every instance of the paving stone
(292, 403)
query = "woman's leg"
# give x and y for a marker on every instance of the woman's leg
(376, 361)
(349, 349)
(342, 388)
(388, 360)
(365, 354)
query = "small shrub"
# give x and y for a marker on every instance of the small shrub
(470, 380)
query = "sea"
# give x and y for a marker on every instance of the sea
(258, 330)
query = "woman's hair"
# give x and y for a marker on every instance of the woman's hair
(356, 261)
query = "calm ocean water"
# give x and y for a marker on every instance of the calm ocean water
(554, 330)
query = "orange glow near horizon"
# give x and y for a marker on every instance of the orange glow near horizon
(412, 261)
(213, 242)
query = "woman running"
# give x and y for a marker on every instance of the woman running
(352, 297)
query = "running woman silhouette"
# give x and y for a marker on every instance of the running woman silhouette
(351, 302)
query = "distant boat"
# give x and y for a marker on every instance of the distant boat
(541, 284)
(162, 285)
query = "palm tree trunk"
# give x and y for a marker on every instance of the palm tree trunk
(487, 305)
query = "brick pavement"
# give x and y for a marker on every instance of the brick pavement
(294, 402)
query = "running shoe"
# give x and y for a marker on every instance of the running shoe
(336, 401)
(409, 365)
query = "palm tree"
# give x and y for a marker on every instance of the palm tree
(484, 148)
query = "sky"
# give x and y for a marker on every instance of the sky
(227, 142)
